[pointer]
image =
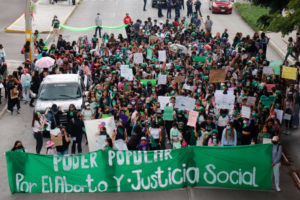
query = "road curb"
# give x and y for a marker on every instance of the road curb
(8, 30)
(3, 111)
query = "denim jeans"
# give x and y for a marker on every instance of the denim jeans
(26, 93)
(276, 174)
(63, 152)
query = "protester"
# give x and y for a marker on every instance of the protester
(276, 158)
(98, 23)
(64, 148)
(2, 53)
(18, 146)
(55, 25)
(50, 148)
(25, 82)
(38, 123)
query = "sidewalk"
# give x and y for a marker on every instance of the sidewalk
(276, 40)
(43, 15)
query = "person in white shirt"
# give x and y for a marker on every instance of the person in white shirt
(26, 83)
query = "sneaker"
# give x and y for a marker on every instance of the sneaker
(18, 111)
(278, 189)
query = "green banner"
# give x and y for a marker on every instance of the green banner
(246, 167)
(91, 27)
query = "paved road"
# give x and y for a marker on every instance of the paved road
(18, 126)
(10, 11)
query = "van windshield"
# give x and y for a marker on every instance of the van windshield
(58, 91)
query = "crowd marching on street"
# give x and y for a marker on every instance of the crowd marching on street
(173, 60)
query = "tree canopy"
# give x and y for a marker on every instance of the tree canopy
(284, 15)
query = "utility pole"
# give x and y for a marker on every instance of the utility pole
(28, 26)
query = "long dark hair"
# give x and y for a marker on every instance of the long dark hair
(108, 139)
(15, 145)
(35, 118)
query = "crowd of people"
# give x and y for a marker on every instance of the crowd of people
(98, 61)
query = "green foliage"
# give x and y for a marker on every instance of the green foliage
(251, 15)
(273, 5)
(283, 17)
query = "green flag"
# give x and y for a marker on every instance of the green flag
(168, 113)
(199, 58)
(149, 54)
(276, 66)
(267, 101)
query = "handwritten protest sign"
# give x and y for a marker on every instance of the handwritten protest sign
(188, 87)
(168, 113)
(145, 81)
(289, 73)
(268, 70)
(162, 79)
(179, 79)
(193, 116)
(217, 75)
(251, 101)
(162, 57)
(275, 64)
(224, 101)
(56, 139)
(153, 39)
(138, 58)
(269, 87)
(185, 103)
(163, 101)
(149, 54)
(279, 114)
(287, 116)
(92, 127)
(246, 112)
(217, 92)
(126, 72)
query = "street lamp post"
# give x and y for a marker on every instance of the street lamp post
(28, 26)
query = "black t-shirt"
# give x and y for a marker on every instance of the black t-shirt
(64, 146)
(207, 126)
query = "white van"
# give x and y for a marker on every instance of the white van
(62, 90)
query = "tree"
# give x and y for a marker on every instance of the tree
(284, 15)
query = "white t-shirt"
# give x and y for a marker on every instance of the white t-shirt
(36, 126)
(155, 132)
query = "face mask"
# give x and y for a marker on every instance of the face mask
(153, 90)
(134, 83)
(228, 85)
(228, 127)
(115, 89)
(142, 98)
(133, 103)
(198, 90)
(245, 122)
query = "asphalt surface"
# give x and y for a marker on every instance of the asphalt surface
(18, 127)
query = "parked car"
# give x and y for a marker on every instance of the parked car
(220, 6)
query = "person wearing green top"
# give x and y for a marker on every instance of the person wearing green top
(175, 137)
(289, 49)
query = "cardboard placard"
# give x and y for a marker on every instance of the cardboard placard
(289, 73)
(179, 79)
(217, 76)
(57, 140)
